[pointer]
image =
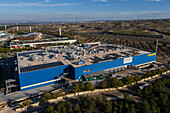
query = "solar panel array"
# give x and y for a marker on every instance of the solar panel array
(38, 67)
(32, 35)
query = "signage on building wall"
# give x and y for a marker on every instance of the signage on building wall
(127, 60)
(152, 54)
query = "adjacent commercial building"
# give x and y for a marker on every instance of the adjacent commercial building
(4, 36)
(33, 43)
(30, 36)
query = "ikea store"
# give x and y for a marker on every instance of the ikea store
(44, 67)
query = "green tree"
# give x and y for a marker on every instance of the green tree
(126, 96)
(120, 42)
(89, 86)
(153, 73)
(153, 106)
(114, 40)
(68, 104)
(108, 107)
(148, 74)
(58, 108)
(127, 43)
(126, 106)
(132, 109)
(129, 80)
(167, 109)
(146, 92)
(158, 86)
(114, 103)
(85, 104)
(104, 84)
(49, 109)
(115, 83)
(92, 108)
(139, 92)
(98, 100)
(70, 109)
(76, 87)
(153, 97)
(134, 44)
(54, 96)
(4, 56)
(120, 108)
(104, 100)
(77, 109)
(165, 69)
(159, 71)
(145, 108)
(115, 109)
(82, 87)
(87, 111)
(63, 109)
(46, 96)
(4, 50)
(55, 111)
(150, 88)
(163, 98)
(137, 77)
(26, 102)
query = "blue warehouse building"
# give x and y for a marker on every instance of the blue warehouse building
(44, 67)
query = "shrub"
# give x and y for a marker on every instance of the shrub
(46, 96)
(25, 103)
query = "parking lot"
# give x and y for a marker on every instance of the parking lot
(139, 70)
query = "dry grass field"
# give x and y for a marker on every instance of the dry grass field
(133, 33)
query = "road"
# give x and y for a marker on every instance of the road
(112, 95)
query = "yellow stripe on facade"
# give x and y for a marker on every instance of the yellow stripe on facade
(38, 84)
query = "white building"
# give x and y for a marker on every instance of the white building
(5, 36)
(3, 33)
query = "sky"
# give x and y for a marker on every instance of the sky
(82, 10)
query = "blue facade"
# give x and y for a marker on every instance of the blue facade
(39, 76)
(137, 60)
(141, 59)
(45, 77)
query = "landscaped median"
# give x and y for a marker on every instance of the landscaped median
(53, 98)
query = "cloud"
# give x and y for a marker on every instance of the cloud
(38, 5)
(99, 0)
(153, 0)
